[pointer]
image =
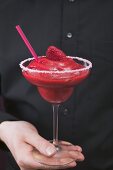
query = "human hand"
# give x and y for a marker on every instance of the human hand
(22, 137)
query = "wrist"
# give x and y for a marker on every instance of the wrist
(2, 127)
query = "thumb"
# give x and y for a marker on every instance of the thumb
(41, 144)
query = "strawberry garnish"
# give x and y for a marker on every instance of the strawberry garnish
(55, 54)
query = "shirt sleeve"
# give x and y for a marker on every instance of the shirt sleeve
(4, 116)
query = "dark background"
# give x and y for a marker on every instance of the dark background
(2, 155)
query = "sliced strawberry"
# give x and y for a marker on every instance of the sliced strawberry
(55, 54)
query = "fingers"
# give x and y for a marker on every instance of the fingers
(42, 145)
(75, 151)
(77, 156)
(61, 158)
(29, 163)
(69, 146)
(26, 161)
(43, 167)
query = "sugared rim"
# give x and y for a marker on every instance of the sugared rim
(88, 65)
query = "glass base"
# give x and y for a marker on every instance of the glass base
(62, 158)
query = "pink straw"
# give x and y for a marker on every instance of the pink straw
(26, 42)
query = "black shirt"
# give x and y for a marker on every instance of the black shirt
(81, 28)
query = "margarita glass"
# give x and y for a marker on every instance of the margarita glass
(56, 87)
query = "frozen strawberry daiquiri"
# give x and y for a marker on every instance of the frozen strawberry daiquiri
(55, 76)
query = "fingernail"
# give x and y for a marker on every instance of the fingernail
(78, 148)
(50, 150)
(81, 157)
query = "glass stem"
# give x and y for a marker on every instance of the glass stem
(55, 124)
